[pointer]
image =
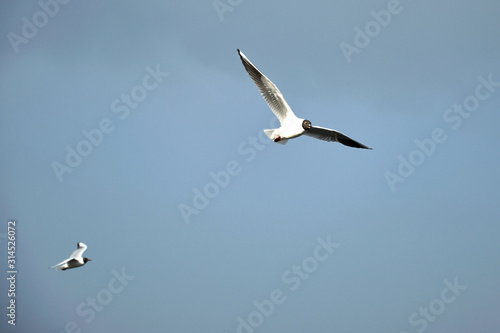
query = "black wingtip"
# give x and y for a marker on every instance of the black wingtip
(238, 51)
(347, 141)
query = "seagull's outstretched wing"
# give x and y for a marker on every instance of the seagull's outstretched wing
(79, 251)
(331, 135)
(268, 90)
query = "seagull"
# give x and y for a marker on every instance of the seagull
(291, 125)
(75, 260)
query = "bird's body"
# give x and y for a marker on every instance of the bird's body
(291, 125)
(75, 260)
(291, 128)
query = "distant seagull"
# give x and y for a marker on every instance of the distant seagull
(75, 260)
(291, 125)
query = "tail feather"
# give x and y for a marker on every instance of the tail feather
(270, 134)
(59, 267)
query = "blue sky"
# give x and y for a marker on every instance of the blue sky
(117, 116)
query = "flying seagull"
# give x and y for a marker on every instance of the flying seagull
(291, 125)
(75, 260)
